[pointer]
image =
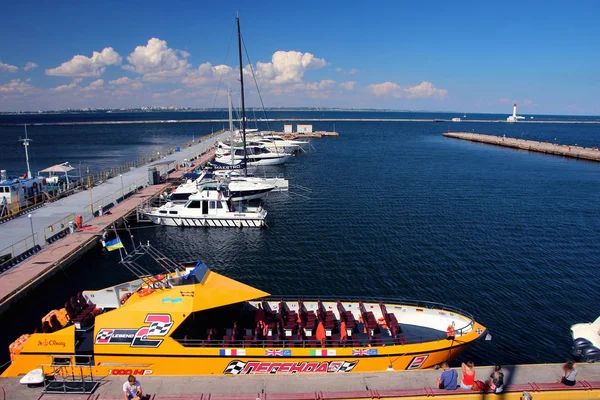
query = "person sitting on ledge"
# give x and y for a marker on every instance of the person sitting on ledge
(132, 389)
(569, 374)
(448, 379)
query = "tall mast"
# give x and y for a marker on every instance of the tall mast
(231, 139)
(26, 144)
(242, 89)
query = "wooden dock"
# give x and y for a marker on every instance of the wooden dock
(19, 280)
(584, 153)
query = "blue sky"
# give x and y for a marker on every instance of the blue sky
(465, 56)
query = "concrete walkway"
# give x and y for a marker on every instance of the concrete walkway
(257, 386)
(13, 232)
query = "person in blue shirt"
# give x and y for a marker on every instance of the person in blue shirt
(448, 379)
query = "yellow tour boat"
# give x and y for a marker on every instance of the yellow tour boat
(190, 320)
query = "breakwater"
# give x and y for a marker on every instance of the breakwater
(585, 153)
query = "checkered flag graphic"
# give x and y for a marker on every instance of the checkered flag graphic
(347, 366)
(159, 328)
(104, 335)
(234, 367)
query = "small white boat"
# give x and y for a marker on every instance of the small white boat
(586, 341)
(208, 208)
(239, 190)
(280, 142)
(255, 155)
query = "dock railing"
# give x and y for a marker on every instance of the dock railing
(100, 206)
(58, 229)
(22, 249)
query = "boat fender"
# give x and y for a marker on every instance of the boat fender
(591, 354)
(581, 343)
(145, 291)
(124, 298)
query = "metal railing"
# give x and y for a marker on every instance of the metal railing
(19, 248)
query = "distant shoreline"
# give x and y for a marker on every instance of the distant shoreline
(187, 121)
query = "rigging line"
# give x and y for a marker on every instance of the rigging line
(224, 69)
(256, 84)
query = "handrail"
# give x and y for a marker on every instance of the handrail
(20, 247)
(58, 226)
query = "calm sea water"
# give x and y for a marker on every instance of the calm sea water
(395, 210)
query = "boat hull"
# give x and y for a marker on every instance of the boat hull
(252, 361)
(212, 222)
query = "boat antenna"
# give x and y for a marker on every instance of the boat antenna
(242, 90)
(26, 144)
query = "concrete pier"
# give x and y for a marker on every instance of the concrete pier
(539, 380)
(121, 195)
(584, 153)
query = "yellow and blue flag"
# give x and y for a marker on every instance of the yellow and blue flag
(113, 244)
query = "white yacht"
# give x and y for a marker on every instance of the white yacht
(280, 184)
(238, 190)
(208, 208)
(275, 141)
(255, 155)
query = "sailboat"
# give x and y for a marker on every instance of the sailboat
(249, 154)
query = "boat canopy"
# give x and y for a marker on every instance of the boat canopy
(64, 167)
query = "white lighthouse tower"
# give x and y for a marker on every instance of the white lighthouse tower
(514, 117)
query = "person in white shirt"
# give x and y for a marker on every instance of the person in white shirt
(132, 389)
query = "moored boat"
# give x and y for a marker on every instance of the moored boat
(586, 341)
(190, 320)
(208, 208)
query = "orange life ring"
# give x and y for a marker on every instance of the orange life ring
(145, 291)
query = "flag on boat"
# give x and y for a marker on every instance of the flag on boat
(278, 353)
(113, 244)
(364, 352)
(323, 353)
(232, 352)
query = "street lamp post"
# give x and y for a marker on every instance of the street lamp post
(89, 185)
(32, 232)
(122, 190)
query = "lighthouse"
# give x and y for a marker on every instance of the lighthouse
(514, 117)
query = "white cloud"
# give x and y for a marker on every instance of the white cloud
(319, 89)
(95, 85)
(157, 62)
(30, 65)
(70, 86)
(208, 73)
(527, 102)
(425, 89)
(127, 82)
(352, 71)
(7, 67)
(348, 85)
(385, 89)
(16, 86)
(87, 66)
(287, 67)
